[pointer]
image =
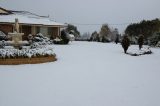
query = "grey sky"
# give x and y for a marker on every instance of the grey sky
(90, 11)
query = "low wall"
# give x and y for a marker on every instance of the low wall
(34, 60)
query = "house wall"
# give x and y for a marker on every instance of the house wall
(44, 31)
(26, 30)
(53, 32)
(33, 30)
(6, 28)
(56, 32)
(50, 32)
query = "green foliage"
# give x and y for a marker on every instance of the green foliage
(154, 39)
(140, 41)
(94, 36)
(63, 39)
(125, 43)
(73, 30)
(145, 27)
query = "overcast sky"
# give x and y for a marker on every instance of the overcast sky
(116, 13)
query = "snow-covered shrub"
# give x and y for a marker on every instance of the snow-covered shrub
(35, 45)
(26, 53)
(154, 39)
(137, 52)
(64, 39)
(71, 37)
(2, 44)
(30, 39)
(2, 36)
(37, 48)
(42, 40)
(158, 44)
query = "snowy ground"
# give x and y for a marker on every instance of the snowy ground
(86, 74)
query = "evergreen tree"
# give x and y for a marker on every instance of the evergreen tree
(125, 43)
(64, 37)
(145, 27)
(140, 41)
(71, 29)
(94, 36)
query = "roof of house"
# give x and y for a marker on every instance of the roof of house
(4, 11)
(25, 17)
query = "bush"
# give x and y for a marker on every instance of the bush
(2, 44)
(63, 40)
(125, 43)
(154, 39)
(140, 41)
(39, 39)
(3, 36)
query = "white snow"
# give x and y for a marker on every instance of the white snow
(136, 51)
(25, 19)
(71, 37)
(25, 52)
(85, 74)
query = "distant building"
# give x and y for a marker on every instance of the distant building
(29, 23)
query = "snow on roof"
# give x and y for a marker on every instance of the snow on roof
(28, 18)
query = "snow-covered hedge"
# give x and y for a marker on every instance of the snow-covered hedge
(137, 52)
(154, 40)
(158, 44)
(36, 49)
(26, 53)
(42, 40)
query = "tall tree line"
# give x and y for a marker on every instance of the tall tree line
(145, 27)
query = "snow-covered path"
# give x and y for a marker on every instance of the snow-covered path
(86, 74)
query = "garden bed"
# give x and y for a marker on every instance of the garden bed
(137, 52)
(41, 54)
(33, 60)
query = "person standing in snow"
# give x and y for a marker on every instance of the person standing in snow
(140, 41)
(125, 43)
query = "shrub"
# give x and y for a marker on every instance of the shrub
(125, 43)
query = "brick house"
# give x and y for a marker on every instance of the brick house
(29, 23)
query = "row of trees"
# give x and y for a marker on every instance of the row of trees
(106, 34)
(150, 29)
(145, 27)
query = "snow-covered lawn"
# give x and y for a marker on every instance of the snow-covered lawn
(86, 74)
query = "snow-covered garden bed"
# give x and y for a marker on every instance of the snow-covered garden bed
(25, 53)
(137, 52)
(12, 56)
(36, 51)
